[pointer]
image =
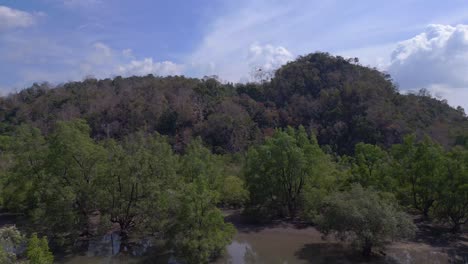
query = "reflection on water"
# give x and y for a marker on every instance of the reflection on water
(286, 245)
(282, 245)
(108, 245)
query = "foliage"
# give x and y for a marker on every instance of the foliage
(67, 182)
(155, 155)
(71, 186)
(24, 161)
(234, 192)
(343, 102)
(419, 166)
(11, 241)
(277, 171)
(38, 251)
(140, 175)
(452, 201)
(199, 163)
(200, 233)
(370, 167)
(361, 216)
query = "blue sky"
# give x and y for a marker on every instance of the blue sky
(421, 43)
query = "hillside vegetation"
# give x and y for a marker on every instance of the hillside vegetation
(324, 141)
(342, 102)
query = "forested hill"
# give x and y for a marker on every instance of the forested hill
(342, 102)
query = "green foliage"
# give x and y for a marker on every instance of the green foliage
(38, 251)
(277, 171)
(199, 163)
(419, 167)
(140, 175)
(370, 167)
(344, 102)
(234, 192)
(11, 241)
(364, 218)
(24, 160)
(62, 173)
(72, 187)
(452, 201)
(200, 233)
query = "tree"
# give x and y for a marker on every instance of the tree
(420, 169)
(200, 233)
(361, 216)
(277, 171)
(140, 175)
(452, 200)
(370, 167)
(199, 163)
(73, 188)
(11, 241)
(24, 158)
(38, 250)
(234, 192)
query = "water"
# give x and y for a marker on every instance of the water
(288, 245)
(283, 244)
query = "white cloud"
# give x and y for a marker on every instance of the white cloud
(436, 59)
(47, 60)
(148, 66)
(12, 18)
(268, 57)
(128, 53)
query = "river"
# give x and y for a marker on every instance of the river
(285, 243)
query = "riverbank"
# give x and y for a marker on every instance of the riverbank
(297, 243)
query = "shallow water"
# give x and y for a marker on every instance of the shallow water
(288, 245)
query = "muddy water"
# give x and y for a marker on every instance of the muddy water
(288, 245)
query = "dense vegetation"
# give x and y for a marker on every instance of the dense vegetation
(342, 102)
(325, 140)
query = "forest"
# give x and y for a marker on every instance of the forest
(322, 140)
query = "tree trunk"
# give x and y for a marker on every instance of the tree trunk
(455, 228)
(291, 209)
(124, 241)
(367, 249)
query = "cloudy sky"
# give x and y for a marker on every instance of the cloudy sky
(421, 43)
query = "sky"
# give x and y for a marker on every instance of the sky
(422, 44)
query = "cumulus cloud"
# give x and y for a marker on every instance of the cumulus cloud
(439, 55)
(148, 66)
(128, 53)
(436, 59)
(268, 57)
(56, 63)
(12, 18)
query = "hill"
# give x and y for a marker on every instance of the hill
(342, 102)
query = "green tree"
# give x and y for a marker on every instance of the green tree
(11, 240)
(452, 201)
(38, 251)
(198, 162)
(363, 217)
(200, 233)
(234, 192)
(370, 167)
(140, 176)
(277, 171)
(74, 185)
(24, 158)
(420, 168)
